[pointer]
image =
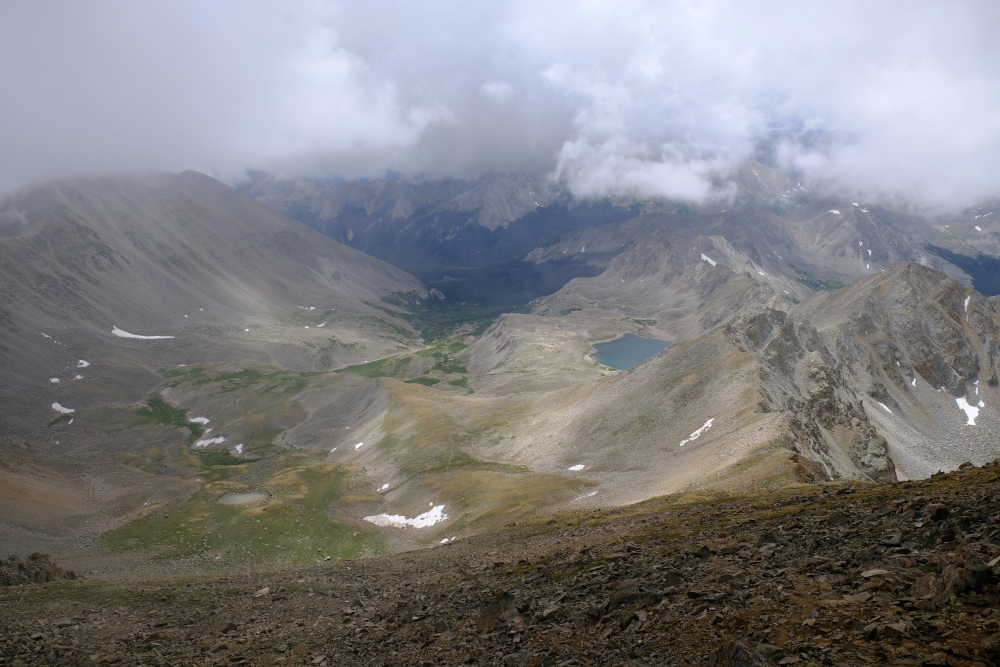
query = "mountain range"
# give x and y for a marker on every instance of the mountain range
(364, 367)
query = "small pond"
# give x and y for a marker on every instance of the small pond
(629, 350)
(240, 498)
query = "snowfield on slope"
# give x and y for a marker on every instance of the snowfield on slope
(697, 434)
(971, 411)
(124, 334)
(210, 441)
(428, 518)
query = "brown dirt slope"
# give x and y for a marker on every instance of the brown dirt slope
(904, 574)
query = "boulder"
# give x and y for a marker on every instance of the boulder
(738, 654)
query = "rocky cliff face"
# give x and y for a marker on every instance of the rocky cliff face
(866, 369)
(826, 423)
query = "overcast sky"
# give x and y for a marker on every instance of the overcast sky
(624, 96)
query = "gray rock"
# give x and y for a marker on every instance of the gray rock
(738, 654)
(502, 610)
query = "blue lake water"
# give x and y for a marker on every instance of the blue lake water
(629, 350)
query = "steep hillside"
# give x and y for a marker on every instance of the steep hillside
(921, 352)
(760, 398)
(247, 380)
(878, 381)
(202, 271)
(840, 574)
(813, 246)
(451, 222)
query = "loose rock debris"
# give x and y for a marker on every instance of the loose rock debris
(901, 574)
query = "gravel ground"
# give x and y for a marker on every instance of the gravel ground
(836, 575)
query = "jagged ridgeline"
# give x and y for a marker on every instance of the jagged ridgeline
(191, 376)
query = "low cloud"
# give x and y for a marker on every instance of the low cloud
(498, 91)
(630, 97)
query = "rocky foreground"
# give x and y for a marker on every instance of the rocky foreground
(904, 574)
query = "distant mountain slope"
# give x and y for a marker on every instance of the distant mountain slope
(467, 238)
(463, 238)
(178, 255)
(893, 377)
(813, 246)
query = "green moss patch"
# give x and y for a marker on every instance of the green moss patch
(292, 525)
(427, 382)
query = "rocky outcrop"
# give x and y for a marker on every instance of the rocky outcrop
(826, 423)
(37, 568)
(859, 369)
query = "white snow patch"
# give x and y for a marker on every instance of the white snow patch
(246, 330)
(971, 411)
(70, 421)
(914, 382)
(185, 316)
(578, 466)
(82, 363)
(885, 407)
(864, 210)
(860, 243)
(210, 441)
(967, 300)
(333, 450)
(307, 307)
(834, 211)
(697, 434)
(428, 518)
(869, 253)
(854, 203)
(358, 446)
(867, 266)
(980, 405)
(976, 385)
(78, 377)
(59, 408)
(978, 228)
(321, 325)
(199, 420)
(46, 335)
(383, 487)
(54, 380)
(239, 449)
(762, 273)
(708, 259)
(124, 334)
